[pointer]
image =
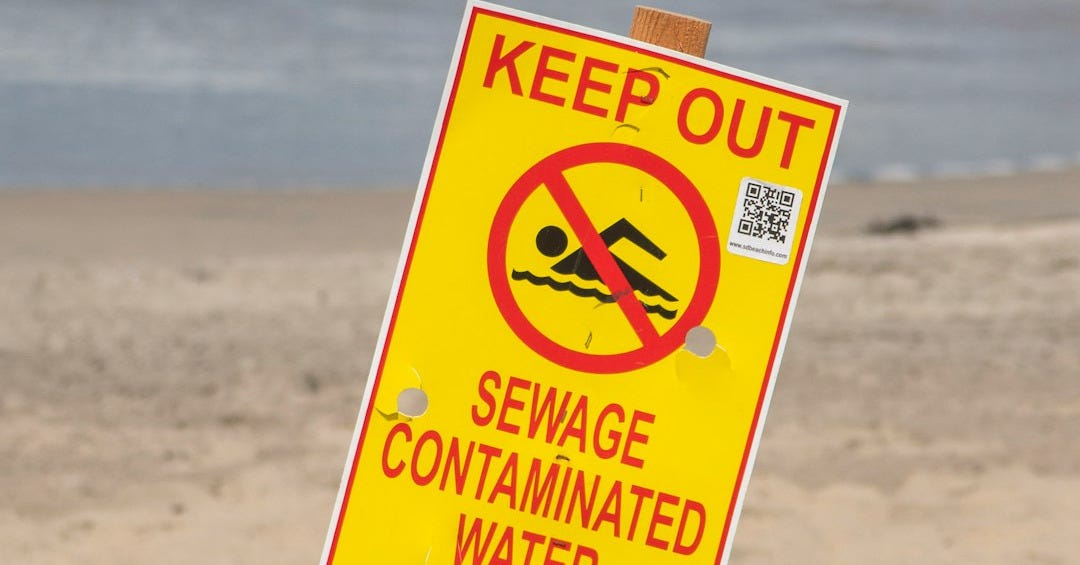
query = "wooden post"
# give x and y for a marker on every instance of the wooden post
(674, 31)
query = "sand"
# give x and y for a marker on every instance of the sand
(181, 374)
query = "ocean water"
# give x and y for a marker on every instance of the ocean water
(311, 93)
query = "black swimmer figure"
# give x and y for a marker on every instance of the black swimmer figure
(552, 241)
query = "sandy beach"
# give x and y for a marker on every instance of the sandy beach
(182, 371)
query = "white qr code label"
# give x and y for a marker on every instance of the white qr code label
(764, 223)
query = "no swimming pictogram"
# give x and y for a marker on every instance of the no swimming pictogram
(594, 261)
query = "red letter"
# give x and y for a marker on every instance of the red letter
(688, 548)
(662, 498)
(633, 436)
(399, 428)
(717, 119)
(533, 539)
(499, 61)
(454, 463)
(562, 493)
(561, 544)
(611, 510)
(544, 72)
(487, 397)
(504, 553)
(430, 436)
(578, 499)
(488, 452)
(575, 424)
(472, 541)
(539, 411)
(608, 453)
(507, 482)
(589, 552)
(759, 138)
(587, 84)
(641, 493)
(628, 97)
(795, 122)
(509, 402)
(535, 492)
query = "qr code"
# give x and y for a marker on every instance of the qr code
(766, 212)
(764, 222)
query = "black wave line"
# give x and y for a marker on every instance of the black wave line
(586, 292)
(563, 286)
(659, 310)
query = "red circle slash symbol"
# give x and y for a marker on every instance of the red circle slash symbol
(549, 173)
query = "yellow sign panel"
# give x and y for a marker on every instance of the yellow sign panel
(591, 306)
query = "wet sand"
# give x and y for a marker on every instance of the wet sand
(182, 371)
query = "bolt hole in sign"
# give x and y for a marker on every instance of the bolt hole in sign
(595, 290)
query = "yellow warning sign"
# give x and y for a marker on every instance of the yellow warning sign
(592, 301)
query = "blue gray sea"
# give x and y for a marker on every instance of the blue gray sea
(334, 93)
